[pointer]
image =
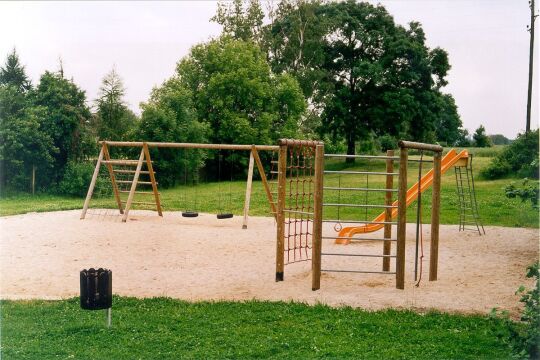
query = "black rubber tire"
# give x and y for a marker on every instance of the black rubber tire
(224, 216)
(190, 214)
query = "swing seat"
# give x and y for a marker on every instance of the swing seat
(224, 216)
(190, 214)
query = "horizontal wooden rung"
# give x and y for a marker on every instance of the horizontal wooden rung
(131, 171)
(121, 162)
(139, 192)
(138, 182)
(142, 203)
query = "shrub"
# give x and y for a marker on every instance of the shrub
(519, 158)
(388, 142)
(529, 192)
(76, 178)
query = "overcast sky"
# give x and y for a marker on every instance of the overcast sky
(487, 42)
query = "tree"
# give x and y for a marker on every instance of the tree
(480, 138)
(448, 126)
(169, 116)
(239, 22)
(13, 73)
(499, 139)
(237, 95)
(114, 120)
(66, 119)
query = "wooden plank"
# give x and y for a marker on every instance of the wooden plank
(121, 162)
(129, 182)
(138, 192)
(248, 190)
(419, 146)
(129, 171)
(317, 219)
(387, 245)
(265, 182)
(402, 219)
(280, 215)
(192, 145)
(133, 186)
(152, 178)
(92, 184)
(113, 178)
(435, 213)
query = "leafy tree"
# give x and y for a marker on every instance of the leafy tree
(12, 73)
(169, 116)
(448, 124)
(499, 139)
(480, 138)
(113, 120)
(65, 120)
(235, 92)
(240, 22)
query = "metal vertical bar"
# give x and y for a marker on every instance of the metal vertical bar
(387, 245)
(435, 216)
(280, 215)
(418, 216)
(317, 219)
(402, 219)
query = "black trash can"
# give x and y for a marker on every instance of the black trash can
(96, 289)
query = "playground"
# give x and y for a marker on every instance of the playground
(209, 259)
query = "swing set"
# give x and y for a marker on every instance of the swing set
(295, 196)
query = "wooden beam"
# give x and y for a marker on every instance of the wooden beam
(113, 178)
(435, 214)
(152, 178)
(280, 218)
(265, 181)
(191, 145)
(387, 245)
(402, 219)
(133, 186)
(92, 184)
(247, 198)
(317, 219)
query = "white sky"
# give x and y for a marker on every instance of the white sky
(487, 42)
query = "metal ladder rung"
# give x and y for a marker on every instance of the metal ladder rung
(359, 271)
(362, 255)
(355, 239)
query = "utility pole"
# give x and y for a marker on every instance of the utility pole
(531, 53)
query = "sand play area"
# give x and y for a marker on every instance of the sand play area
(203, 258)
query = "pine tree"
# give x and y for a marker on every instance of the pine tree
(13, 73)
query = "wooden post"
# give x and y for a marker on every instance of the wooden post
(280, 215)
(113, 178)
(133, 186)
(402, 219)
(387, 245)
(248, 189)
(33, 179)
(152, 178)
(435, 212)
(317, 219)
(92, 184)
(264, 181)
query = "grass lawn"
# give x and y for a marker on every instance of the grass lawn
(162, 328)
(494, 207)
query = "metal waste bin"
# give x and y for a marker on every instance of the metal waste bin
(96, 290)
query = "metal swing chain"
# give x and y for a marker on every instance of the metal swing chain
(419, 237)
(338, 226)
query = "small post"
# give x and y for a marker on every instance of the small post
(402, 219)
(33, 179)
(248, 189)
(92, 184)
(387, 245)
(109, 311)
(280, 216)
(317, 219)
(435, 216)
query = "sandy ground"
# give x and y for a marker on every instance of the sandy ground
(41, 255)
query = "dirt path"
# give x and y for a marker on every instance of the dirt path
(41, 255)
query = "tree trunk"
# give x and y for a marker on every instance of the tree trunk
(350, 148)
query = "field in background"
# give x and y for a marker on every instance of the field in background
(494, 207)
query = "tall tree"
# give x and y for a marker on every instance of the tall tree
(13, 73)
(114, 119)
(66, 119)
(241, 20)
(480, 138)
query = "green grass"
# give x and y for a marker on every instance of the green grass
(162, 328)
(494, 207)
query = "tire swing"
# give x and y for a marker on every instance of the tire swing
(221, 211)
(189, 213)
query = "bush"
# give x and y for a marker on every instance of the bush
(526, 193)
(76, 178)
(519, 158)
(387, 142)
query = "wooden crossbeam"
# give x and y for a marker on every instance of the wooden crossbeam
(129, 171)
(138, 182)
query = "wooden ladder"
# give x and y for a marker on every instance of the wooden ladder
(104, 158)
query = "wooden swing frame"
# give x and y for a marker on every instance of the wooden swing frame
(144, 158)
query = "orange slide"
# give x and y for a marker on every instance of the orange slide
(447, 162)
